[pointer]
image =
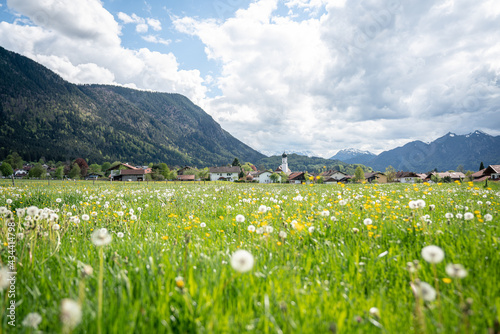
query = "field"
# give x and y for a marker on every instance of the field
(320, 258)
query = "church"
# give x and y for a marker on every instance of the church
(284, 165)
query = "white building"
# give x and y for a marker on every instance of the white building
(224, 173)
(264, 177)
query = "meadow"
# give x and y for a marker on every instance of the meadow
(249, 258)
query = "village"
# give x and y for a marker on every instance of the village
(242, 173)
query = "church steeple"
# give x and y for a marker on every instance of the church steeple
(284, 163)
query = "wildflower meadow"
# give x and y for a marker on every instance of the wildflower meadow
(79, 257)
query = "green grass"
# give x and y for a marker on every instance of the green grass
(309, 282)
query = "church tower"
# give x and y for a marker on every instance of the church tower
(284, 163)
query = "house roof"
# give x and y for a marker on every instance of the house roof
(492, 169)
(232, 169)
(483, 178)
(453, 175)
(124, 165)
(296, 176)
(479, 173)
(185, 177)
(132, 172)
(401, 174)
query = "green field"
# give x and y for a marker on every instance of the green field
(320, 266)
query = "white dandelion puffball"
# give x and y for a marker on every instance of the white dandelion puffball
(325, 213)
(101, 237)
(85, 217)
(374, 312)
(282, 234)
(56, 227)
(32, 211)
(425, 291)
(355, 230)
(413, 205)
(488, 217)
(311, 229)
(203, 225)
(342, 202)
(420, 203)
(468, 216)
(71, 313)
(240, 218)
(456, 270)
(262, 209)
(448, 215)
(459, 216)
(32, 320)
(58, 200)
(251, 228)
(120, 235)
(367, 221)
(242, 261)
(432, 254)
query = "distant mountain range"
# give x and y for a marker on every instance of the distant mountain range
(445, 153)
(352, 155)
(41, 115)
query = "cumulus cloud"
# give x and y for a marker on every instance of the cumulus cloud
(80, 41)
(156, 39)
(368, 74)
(142, 24)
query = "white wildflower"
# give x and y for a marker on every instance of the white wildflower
(101, 237)
(32, 320)
(240, 218)
(432, 254)
(456, 270)
(468, 216)
(242, 261)
(71, 313)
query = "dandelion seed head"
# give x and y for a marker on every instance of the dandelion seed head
(432, 254)
(242, 261)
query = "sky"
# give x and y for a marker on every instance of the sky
(311, 76)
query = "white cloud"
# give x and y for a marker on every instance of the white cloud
(154, 24)
(369, 74)
(85, 52)
(156, 39)
(142, 24)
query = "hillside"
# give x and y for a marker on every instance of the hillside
(445, 153)
(41, 115)
(298, 163)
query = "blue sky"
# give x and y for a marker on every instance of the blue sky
(310, 76)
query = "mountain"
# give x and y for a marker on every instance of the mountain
(41, 115)
(300, 163)
(353, 156)
(445, 153)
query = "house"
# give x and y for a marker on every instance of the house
(333, 174)
(454, 176)
(493, 171)
(406, 177)
(20, 173)
(264, 177)
(479, 176)
(185, 177)
(126, 172)
(224, 173)
(184, 169)
(297, 177)
(376, 177)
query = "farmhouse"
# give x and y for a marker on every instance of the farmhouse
(334, 175)
(376, 177)
(297, 177)
(406, 177)
(264, 177)
(185, 177)
(126, 172)
(454, 176)
(493, 171)
(224, 173)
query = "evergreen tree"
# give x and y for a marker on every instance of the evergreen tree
(481, 167)
(236, 162)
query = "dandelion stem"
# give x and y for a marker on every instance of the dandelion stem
(438, 299)
(99, 290)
